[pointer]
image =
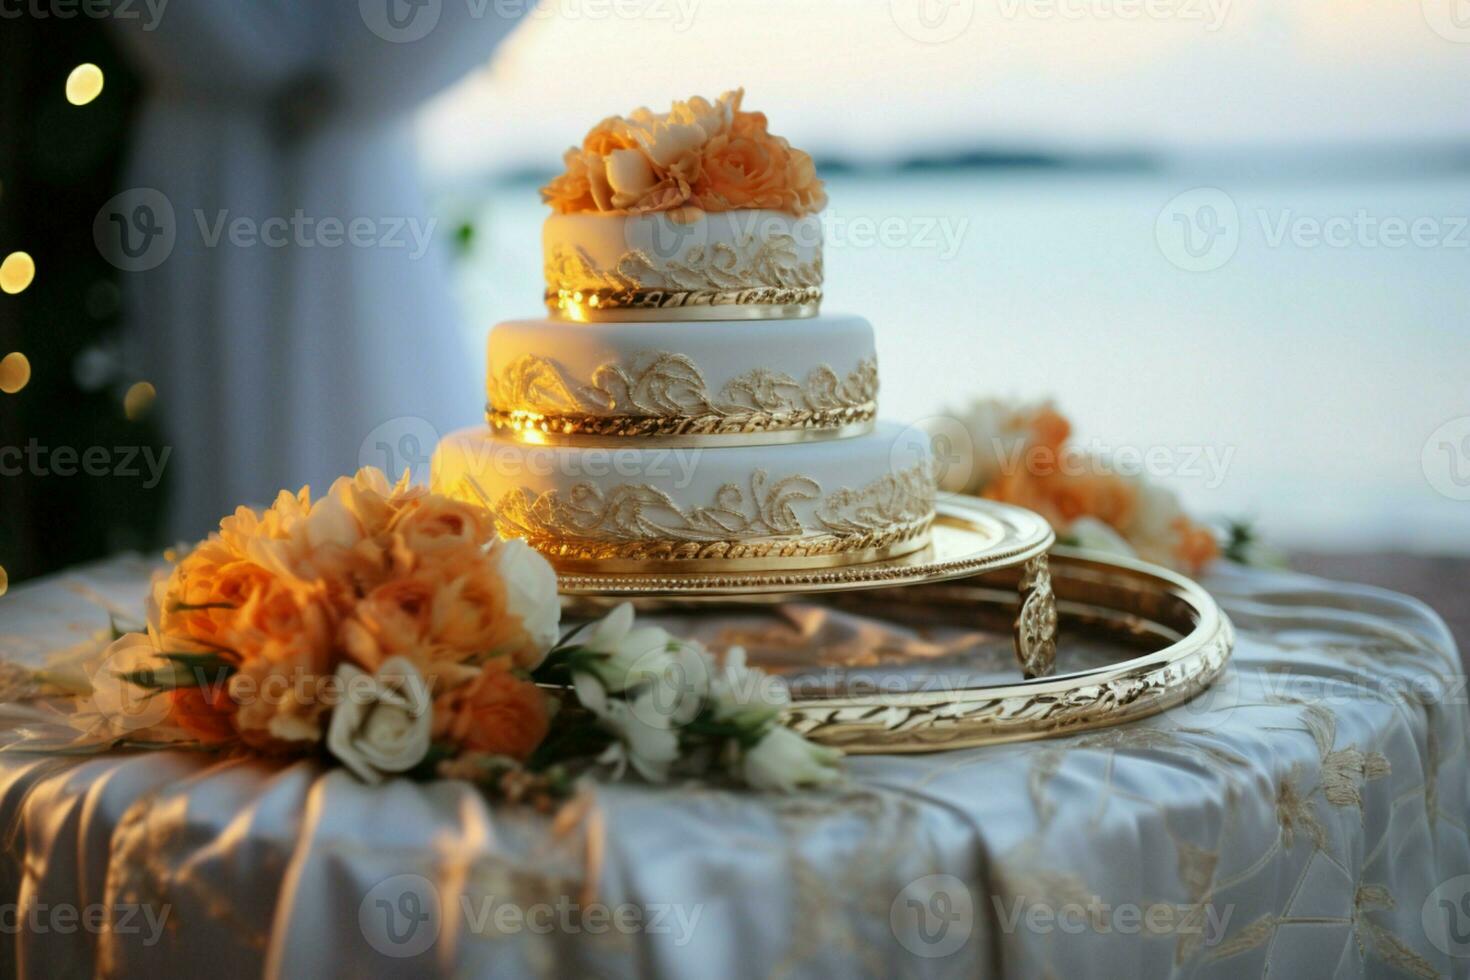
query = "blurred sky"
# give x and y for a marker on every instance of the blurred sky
(875, 80)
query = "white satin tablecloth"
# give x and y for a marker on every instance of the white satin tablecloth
(1307, 816)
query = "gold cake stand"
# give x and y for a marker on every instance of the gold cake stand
(970, 536)
(981, 553)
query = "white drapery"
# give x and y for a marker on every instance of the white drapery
(274, 362)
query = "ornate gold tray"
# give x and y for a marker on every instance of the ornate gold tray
(969, 536)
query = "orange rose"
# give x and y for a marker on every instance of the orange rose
(743, 172)
(571, 192)
(1196, 546)
(609, 135)
(433, 526)
(700, 154)
(281, 696)
(205, 592)
(281, 613)
(392, 619)
(206, 712)
(497, 712)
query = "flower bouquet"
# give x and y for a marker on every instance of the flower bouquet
(388, 629)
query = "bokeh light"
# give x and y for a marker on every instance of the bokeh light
(83, 84)
(16, 272)
(15, 372)
(139, 400)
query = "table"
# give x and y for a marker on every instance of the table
(1307, 814)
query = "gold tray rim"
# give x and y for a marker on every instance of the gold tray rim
(985, 535)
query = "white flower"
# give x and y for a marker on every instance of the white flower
(630, 176)
(1153, 529)
(992, 436)
(646, 738)
(746, 695)
(121, 705)
(627, 655)
(783, 760)
(1095, 535)
(382, 723)
(530, 589)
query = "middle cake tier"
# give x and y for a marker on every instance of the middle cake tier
(754, 382)
(843, 501)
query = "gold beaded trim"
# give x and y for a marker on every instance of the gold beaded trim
(758, 303)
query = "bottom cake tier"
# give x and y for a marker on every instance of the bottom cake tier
(864, 498)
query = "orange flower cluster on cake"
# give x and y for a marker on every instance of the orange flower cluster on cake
(710, 156)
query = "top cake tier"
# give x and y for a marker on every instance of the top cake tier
(730, 265)
(699, 213)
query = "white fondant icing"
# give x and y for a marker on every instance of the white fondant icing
(693, 478)
(722, 352)
(605, 241)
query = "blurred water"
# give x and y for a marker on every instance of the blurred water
(1312, 367)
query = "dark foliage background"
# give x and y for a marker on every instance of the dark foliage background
(58, 164)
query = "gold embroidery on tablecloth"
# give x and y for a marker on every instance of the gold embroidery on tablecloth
(1387, 946)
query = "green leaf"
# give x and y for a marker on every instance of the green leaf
(182, 670)
(195, 607)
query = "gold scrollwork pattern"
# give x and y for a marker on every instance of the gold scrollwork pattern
(1036, 623)
(638, 521)
(754, 273)
(660, 393)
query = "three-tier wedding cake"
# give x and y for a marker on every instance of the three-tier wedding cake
(686, 405)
